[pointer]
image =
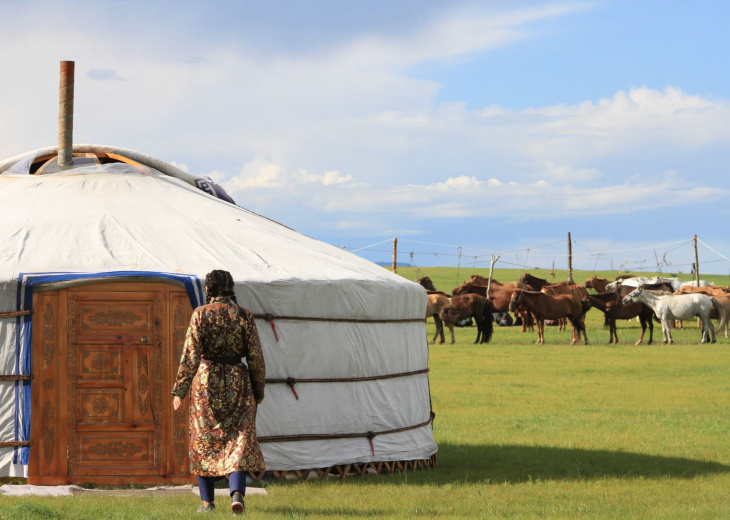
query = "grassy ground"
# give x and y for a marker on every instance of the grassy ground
(525, 431)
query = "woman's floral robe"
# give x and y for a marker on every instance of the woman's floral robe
(222, 397)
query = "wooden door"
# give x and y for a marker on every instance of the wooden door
(103, 398)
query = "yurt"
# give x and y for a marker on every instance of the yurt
(102, 254)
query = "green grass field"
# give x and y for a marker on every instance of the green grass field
(525, 431)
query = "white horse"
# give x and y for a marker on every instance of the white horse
(680, 307)
(638, 281)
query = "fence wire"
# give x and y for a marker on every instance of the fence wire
(675, 257)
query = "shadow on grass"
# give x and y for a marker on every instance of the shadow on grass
(517, 464)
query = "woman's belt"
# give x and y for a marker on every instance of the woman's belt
(222, 360)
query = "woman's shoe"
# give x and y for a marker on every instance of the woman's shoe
(206, 508)
(237, 505)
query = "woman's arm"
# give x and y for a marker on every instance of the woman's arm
(190, 358)
(254, 358)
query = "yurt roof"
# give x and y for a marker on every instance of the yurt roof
(137, 217)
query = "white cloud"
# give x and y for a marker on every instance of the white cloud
(641, 118)
(263, 174)
(327, 179)
(468, 197)
(461, 182)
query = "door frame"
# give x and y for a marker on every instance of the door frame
(47, 464)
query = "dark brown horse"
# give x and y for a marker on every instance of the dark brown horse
(426, 283)
(471, 306)
(533, 281)
(551, 307)
(500, 296)
(612, 306)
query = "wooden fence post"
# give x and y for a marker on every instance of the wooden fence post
(697, 262)
(395, 255)
(491, 272)
(570, 259)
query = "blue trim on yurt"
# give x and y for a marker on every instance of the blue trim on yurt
(24, 332)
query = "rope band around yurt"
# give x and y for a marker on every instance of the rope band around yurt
(270, 318)
(292, 381)
(15, 377)
(329, 436)
(15, 444)
(14, 314)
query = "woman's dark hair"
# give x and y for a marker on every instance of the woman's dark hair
(219, 283)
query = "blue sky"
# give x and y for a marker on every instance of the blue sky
(464, 129)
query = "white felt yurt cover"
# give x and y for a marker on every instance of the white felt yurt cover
(118, 220)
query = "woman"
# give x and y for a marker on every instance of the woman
(224, 393)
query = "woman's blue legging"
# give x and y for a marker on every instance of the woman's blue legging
(236, 482)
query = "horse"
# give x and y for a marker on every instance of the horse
(533, 281)
(482, 280)
(712, 291)
(500, 296)
(674, 284)
(724, 300)
(437, 300)
(681, 307)
(719, 294)
(577, 292)
(598, 284)
(550, 307)
(436, 303)
(470, 305)
(610, 303)
(426, 283)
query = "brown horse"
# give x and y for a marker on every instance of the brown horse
(578, 293)
(426, 283)
(500, 296)
(712, 291)
(597, 284)
(533, 281)
(470, 305)
(550, 307)
(724, 300)
(436, 303)
(612, 306)
(481, 280)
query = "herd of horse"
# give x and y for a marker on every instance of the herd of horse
(536, 301)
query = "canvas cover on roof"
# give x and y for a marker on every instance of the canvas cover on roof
(118, 219)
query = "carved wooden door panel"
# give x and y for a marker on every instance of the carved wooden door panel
(114, 384)
(104, 357)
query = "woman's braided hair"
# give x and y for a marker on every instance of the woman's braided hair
(219, 283)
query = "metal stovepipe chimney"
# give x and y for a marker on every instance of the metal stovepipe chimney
(66, 114)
